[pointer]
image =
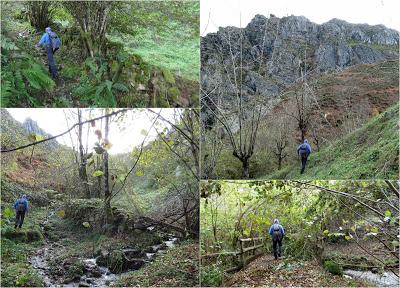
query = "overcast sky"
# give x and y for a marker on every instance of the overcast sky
(123, 140)
(228, 13)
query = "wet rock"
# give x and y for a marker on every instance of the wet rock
(133, 253)
(74, 270)
(83, 284)
(122, 260)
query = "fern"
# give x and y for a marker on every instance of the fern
(95, 87)
(22, 77)
(120, 87)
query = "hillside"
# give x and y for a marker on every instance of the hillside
(371, 151)
(130, 209)
(341, 103)
(132, 61)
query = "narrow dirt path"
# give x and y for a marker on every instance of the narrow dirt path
(266, 271)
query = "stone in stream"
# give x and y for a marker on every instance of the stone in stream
(122, 260)
(133, 253)
(83, 284)
(91, 268)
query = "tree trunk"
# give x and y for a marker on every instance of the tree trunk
(39, 12)
(30, 159)
(279, 162)
(187, 218)
(98, 165)
(82, 159)
(107, 192)
(246, 168)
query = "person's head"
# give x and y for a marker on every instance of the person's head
(276, 221)
(24, 196)
(47, 30)
(305, 141)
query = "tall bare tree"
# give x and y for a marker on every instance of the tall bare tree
(92, 18)
(39, 13)
(82, 157)
(230, 101)
(107, 191)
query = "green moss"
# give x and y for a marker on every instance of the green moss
(75, 271)
(116, 261)
(174, 94)
(15, 269)
(21, 235)
(168, 76)
(20, 275)
(333, 267)
(167, 270)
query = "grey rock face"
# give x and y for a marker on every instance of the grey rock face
(274, 52)
(32, 127)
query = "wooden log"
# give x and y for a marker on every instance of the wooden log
(233, 253)
(252, 248)
(250, 239)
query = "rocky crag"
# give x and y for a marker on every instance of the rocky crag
(276, 52)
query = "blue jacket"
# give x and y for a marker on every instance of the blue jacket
(21, 200)
(308, 147)
(276, 227)
(45, 40)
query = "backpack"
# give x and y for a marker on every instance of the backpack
(54, 40)
(276, 234)
(21, 206)
(304, 147)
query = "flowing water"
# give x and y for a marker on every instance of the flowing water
(95, 275)
(386, 279)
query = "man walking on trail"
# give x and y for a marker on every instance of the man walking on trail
(52, 43)
(21, 207)
(304, 150)
(277, 232)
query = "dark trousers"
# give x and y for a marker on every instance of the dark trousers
(51, 62)
(304, 158)
(277, 245)
(19, 219)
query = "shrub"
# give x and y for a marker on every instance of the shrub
(333, 267)
(211, 276)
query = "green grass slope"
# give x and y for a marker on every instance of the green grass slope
(369, 152)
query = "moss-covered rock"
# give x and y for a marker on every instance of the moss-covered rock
(74, 271)
(174, 94)
(336, 237)
(333, 267)
(168, 76)
(120, 260)
(20, 235)
(85, 210)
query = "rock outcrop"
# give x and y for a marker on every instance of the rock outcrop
(276, 52)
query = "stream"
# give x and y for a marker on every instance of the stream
(95, 275)
(386, 279)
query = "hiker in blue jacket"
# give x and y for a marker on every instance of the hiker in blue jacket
(21, 208)
(46, 41)
(304, 150)
(277, 232)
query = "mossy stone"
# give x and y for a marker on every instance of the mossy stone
(168, 76)
(333, 267)
(174, 94)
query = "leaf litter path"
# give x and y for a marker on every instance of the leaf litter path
(266, 271)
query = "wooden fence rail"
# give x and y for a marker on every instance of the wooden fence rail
(249, 249)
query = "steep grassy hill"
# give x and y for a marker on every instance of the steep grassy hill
(369, 152)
